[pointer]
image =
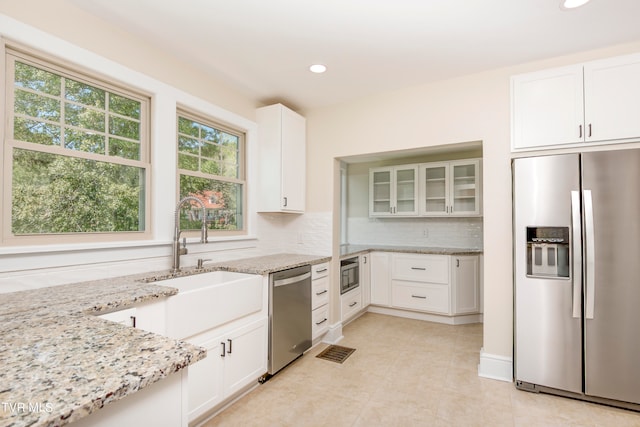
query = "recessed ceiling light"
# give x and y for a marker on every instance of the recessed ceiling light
(317, 68)
(572, 4)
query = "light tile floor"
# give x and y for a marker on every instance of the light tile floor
(406, 373)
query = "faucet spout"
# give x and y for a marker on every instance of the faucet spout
(204, 235)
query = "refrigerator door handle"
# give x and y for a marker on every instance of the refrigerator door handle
(577, 253)
(590, 255)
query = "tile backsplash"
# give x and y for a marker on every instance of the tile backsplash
(432, 232)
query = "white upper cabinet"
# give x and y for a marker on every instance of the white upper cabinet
(393, 191)
(281, 159)
(591, 102)
(612, 98)
(450, 188)
(547, 108)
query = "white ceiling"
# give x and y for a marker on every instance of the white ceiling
(264, 47)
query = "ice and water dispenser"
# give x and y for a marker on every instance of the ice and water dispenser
(548, 252)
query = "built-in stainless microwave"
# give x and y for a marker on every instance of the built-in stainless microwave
(349, 274)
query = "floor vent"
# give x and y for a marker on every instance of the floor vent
(336, 353)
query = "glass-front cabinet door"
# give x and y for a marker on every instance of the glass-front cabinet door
(380, 192)
(435, 198)
(393, 191)
(406, 191)
(450, 188)
(464, 188)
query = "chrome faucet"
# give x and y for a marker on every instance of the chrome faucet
(177, 250)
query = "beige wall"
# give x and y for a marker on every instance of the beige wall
(63, 19)
(471, 108)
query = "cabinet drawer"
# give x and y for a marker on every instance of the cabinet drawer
(319, 292)
(319, 270)
(425, 297)
(421, 268)
(351, 303)
(319, 321)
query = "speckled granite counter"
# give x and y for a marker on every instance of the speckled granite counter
(349, 250)
(56, 354)
(269, 264)
(68, 363)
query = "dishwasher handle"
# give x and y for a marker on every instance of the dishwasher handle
(290, 280)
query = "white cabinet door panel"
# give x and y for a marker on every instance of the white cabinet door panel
(612, 98)
(547, 108)
(421, 296)
(421, 268)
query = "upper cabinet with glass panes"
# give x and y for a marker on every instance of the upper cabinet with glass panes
(393, 191)
(450, 188)
(428, 189)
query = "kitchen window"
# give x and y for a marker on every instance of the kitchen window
(76, 163)
(211, 169)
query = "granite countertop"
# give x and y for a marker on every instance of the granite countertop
(59, 357)
(67, 363)
(268, 264)
(350, 250)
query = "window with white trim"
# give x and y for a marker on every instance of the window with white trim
(211, 168)
(76, 162)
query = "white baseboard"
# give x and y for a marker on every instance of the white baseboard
(495, 367)
(334, 334)
(416, 315)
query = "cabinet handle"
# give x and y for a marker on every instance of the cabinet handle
(457, 262)
(133, 321)
(353, 303)
(322, 270)
(580, 131)
(285, 202)
(321, 322)
(419, 268)
(230, 344)
(589, 130)
(365, 259)
(224, 349)
(418, 296)
(323, 292)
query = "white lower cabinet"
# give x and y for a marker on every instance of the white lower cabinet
(161, 404)
(380, 278)
(148, 316)
(351, 303)
(439, 284)
(365, 282)
(320, 284)
(319, 321)
(465, 274)
(433, 297)
(235, 358)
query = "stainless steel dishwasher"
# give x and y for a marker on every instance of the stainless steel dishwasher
(289, 316)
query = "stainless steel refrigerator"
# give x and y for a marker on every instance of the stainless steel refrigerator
(577, 275)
